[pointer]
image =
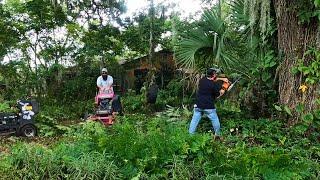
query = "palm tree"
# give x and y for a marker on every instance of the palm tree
(208, 44)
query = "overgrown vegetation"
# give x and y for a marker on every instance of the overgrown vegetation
(140, 146)
(52, 51)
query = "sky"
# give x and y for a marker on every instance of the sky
(184, 6)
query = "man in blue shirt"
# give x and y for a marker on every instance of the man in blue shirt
(208, 91)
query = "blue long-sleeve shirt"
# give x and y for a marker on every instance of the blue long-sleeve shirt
(208, 91)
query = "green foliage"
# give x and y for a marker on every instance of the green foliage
(239, 47)
(8, 34)
(228, 109)
(34, 26)
(140, 146)
(175, 87)
(311, 71)
(14, 89)
(308, 11)
(4, 107)
(137, 31)
(173, 114)
(44, 15)
(104, 40)
(166, 97)
(309, 122)
(207, 44)
(47, 121)
(8, 106)
(54, 119)
(253, 20)
(64, 161)
(133, 103)
(317, 3)
(260, 92)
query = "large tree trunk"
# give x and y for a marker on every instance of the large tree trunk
(294, 39)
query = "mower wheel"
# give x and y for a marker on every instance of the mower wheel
(28, 131)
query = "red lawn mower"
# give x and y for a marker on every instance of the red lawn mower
(107, 106)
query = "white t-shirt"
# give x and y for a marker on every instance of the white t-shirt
(105, 83)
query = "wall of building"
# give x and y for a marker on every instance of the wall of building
(163, 62)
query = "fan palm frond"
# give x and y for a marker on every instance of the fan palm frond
(189, 45)
(238, 12)
(213, 22)
(206, 44)
(212, 43)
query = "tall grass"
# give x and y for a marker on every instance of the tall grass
(141, 147)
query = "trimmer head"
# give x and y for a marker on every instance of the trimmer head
(231, 86)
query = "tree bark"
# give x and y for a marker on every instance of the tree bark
(294, 39)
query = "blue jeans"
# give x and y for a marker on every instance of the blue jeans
(210, 113)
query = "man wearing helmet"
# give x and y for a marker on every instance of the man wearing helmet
(208, 91)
